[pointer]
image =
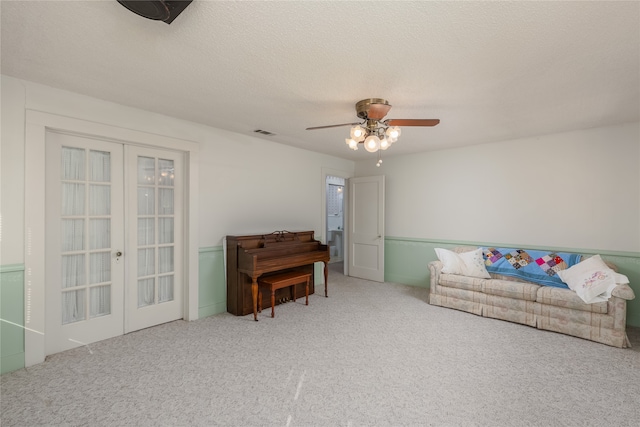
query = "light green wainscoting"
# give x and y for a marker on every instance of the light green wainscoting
(406, 261)
(11, 318)
(212, 287)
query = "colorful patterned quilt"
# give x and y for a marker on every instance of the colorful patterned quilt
(535, 266)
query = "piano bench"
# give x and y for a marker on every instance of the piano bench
(283, 280)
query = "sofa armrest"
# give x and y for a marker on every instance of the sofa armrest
(623, 291)
(435, 268)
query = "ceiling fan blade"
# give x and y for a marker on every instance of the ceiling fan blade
(333, 126)
(412, 122)
(378, 111)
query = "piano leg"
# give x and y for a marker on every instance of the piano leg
(254, 295)
(273, 301)
(326, 278)
(306, 292)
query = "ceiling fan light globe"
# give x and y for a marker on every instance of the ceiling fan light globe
(353, 144)
(385, 143)
(393, 133)
(372, 143)
(358, 133)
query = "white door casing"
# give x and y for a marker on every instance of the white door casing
(366, 228)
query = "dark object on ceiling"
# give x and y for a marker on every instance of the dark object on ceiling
(159, 10)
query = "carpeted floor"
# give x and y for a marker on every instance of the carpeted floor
(372, 354)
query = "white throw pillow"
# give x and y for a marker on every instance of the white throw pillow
(592, 279)
(465, 264)
(451, 262)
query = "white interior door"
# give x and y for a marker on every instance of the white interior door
(114, 245)
(155, 180)
(366, 228)
(84, 231)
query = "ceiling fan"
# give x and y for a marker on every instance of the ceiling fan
(374, 132)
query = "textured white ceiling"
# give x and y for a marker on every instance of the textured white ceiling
(490, 71)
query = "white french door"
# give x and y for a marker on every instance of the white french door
(154, 285)
(113, 238)
(84, 230)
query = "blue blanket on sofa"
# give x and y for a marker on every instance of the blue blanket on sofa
(539, 267)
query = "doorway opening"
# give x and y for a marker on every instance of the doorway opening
(335, 218)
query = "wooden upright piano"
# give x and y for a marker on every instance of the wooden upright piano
(251, 256)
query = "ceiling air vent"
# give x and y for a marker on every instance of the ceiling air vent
(264, 132)
(159, 10)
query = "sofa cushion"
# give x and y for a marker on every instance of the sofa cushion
(510, 289)
(568, 299)
(509, 278)
(571, 318)
(464, 263)
(462, 282)
(510, 309)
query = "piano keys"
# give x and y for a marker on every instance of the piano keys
(251, 256)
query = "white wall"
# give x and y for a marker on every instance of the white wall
(12, 173)
(261, 187)
(570, 190)
(247, 184)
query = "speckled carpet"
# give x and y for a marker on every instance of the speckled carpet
(371, 354)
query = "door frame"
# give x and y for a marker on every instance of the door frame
(37, 125)
(323, 208)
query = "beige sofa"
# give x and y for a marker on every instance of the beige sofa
(543, 307)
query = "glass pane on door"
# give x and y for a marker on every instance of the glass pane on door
(73, 306)
(100, 168)
(146, 170)
(100, 301)
(146, 292)
(99, 233)
(165, 288)
(73, 198)
(73, 270)
(73, 230)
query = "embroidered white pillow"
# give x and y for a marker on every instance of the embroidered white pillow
(465, 264)
(592, 279)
